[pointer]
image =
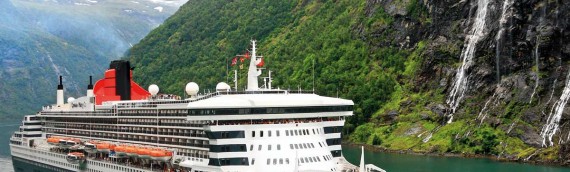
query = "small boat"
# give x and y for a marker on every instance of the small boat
(90, 147)
(75, 157)
(103, 147)
(160, 155)
(53, 140)
(75, 147)
(131, 151)
(144, 153)
(120, 151)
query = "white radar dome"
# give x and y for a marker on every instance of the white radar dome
(192, 88)
(70, 99)
(153, 89)
(222, 86)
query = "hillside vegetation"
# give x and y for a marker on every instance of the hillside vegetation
(395, 59)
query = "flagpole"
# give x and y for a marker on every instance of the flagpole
(227, 69)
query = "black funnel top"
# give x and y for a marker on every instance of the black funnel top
(122, 78)
(60, 86)
(90, 86)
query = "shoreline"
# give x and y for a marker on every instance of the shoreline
(377, 149)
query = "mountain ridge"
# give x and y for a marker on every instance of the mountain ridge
(40, 40)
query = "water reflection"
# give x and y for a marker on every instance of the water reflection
(419, 163)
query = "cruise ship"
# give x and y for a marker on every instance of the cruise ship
(120, 126)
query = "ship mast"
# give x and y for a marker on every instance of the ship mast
(252, 74)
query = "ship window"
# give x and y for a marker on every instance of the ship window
(296, 146)
(314, 131)
(252, 133)
(286, 160)
(286, 132)
(269, 133)
(268, 161)
(268, 147)
(302, 160)
(274, 161)
(261, 133)
(252, 161)
(278, 146)
(277, 133)
(251, 148)
(291, 145)
(296, 132)
(280, 160)
(259, 148)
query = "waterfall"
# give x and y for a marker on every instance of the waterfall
(551, 126)
(506, 5)
(511, 128)
(425, 140)
(459, 85)
(484, 112)
(536, 55)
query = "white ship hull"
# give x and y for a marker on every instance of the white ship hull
(57, 162)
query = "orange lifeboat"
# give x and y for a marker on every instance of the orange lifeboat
(53, 140)
(131, 151)
(160, 155)
(112, 147)
(120, 151)
(103, 147)
(144, 153)
(75, 157)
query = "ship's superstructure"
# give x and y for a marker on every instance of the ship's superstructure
(119, 126)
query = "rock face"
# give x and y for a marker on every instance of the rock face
(520, 65)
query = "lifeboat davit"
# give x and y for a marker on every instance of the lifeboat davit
(103, 147)
(90, 147)
(74, 143)
(75, 157)
(131, 151)
(160, 155)
(120, 151)
(144, 153)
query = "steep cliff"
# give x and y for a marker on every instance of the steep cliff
(469, 77)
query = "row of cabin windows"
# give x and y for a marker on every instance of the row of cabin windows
(272, 110)
(129, 129)
(302, 160)
(278, 146)
(149, 139)
(298, 132)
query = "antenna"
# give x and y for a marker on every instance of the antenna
(236, 80)
(313, 75)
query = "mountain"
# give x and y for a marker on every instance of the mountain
(473, 77)
(40, 40)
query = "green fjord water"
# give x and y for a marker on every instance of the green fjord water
(388, 161)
